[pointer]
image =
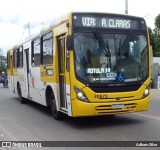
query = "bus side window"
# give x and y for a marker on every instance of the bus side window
(8, 60)
(21, 56)
(36, 52)
(15, 58)
(18, 57)
(47, 49)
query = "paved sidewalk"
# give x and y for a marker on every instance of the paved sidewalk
(155, 91)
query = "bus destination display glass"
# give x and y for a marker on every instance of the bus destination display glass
(110, 22)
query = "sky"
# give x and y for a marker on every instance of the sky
(15, 15)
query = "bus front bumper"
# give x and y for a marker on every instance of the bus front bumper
(81, 109)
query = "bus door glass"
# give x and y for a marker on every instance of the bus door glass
(27, 70)
(62, 71)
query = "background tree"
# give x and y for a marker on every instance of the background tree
(152, 36)
(155, 37)
(156, 50)
(157, 22)
(3, 62)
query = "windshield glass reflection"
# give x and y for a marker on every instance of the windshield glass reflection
(110, 57)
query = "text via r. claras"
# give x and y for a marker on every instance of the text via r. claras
(106, 22)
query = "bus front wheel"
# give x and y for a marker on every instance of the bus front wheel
(55, 113)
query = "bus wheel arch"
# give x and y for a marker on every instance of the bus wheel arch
(51, 102)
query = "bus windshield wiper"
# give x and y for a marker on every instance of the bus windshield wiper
(121, 45)
(119, 49)
(102, 43)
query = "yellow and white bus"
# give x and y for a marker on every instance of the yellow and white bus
(86, 64)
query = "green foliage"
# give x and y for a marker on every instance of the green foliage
(151, 34)
(157, 22)
(156, 50)
(3, 62)
(155, 37)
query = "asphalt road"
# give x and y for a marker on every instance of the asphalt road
(33, 122)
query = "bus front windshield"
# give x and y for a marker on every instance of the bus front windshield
(106, 58)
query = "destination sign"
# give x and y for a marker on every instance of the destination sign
(113, 22)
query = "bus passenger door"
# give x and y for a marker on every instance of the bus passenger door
(62, 72)
(27, 73)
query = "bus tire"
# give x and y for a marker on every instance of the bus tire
(21, 99)
(56, 114)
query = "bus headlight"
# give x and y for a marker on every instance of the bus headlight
(80, 95)
(146, 92)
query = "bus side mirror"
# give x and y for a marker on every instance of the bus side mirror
(70, 42)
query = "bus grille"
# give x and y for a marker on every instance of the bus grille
(107, 109)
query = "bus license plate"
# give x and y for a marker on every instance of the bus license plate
(117, 106)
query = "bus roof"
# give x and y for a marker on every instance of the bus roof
(68, 17)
